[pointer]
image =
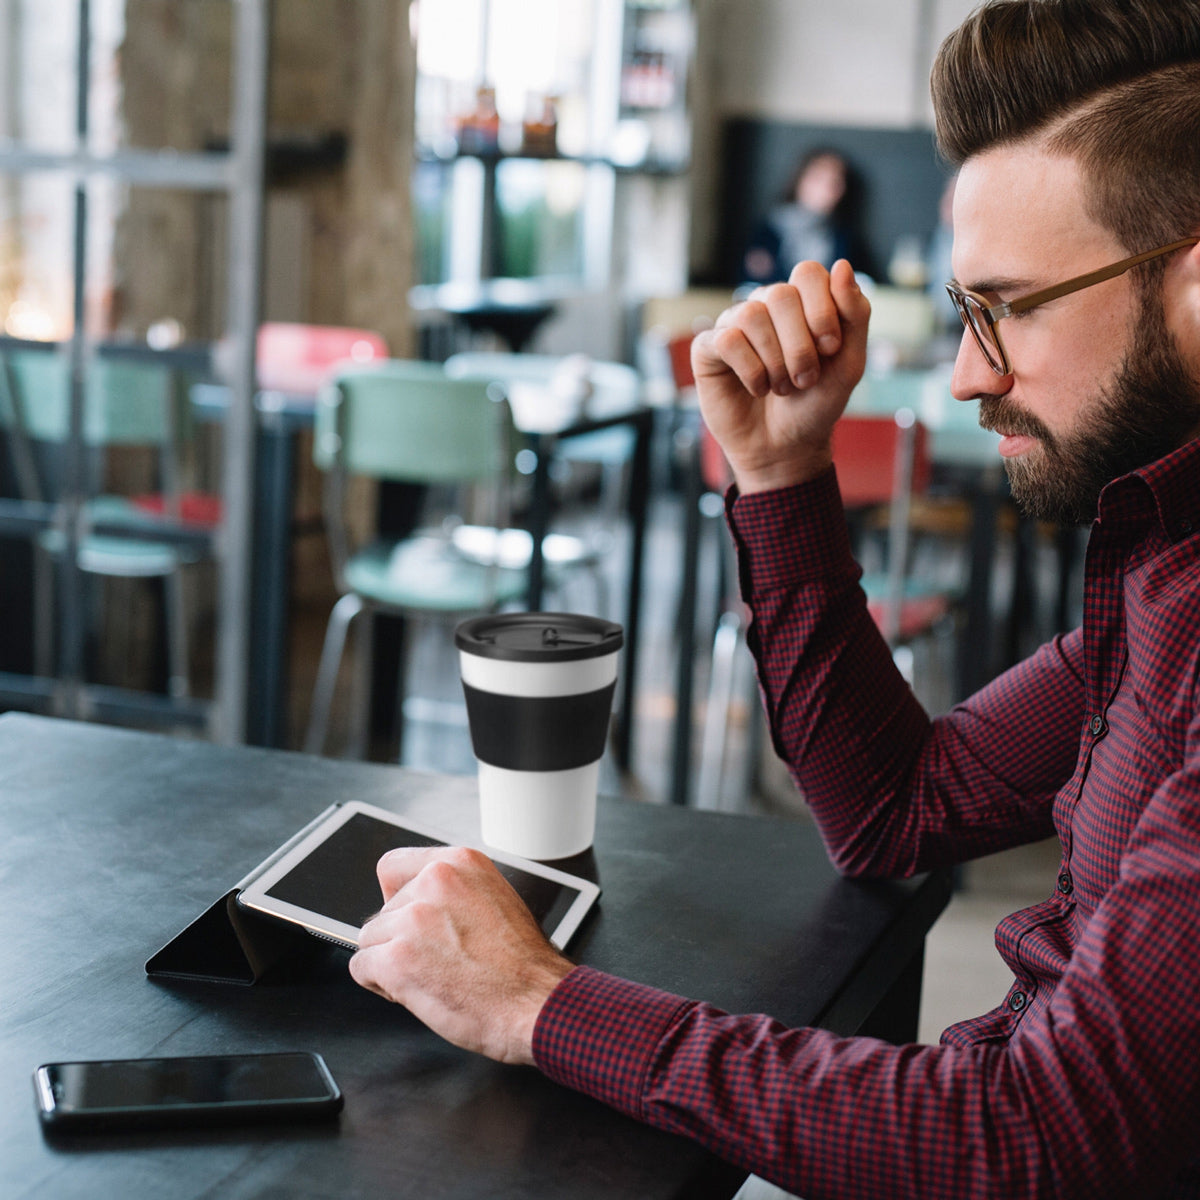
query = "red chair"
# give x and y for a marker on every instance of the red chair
(300, 358)
(679, 351)
(726, 675)
(884, 461)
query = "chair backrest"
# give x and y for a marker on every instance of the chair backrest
(127, 402)
(408, 421)
(884, 460)
(300, 358)
(689, 311)
(870, 451)
(904, 318)
(679, 352)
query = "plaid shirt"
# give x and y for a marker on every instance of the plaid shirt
(1084, 1080)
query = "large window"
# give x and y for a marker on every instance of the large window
(519, 54)
(515, 101)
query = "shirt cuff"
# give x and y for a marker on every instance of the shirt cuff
(789, 535)
(599, 1034)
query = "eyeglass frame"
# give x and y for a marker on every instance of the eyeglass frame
(963, 299)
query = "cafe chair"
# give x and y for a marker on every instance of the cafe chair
(668, 325)
(731, 685)
(127, 404)
(409, 422)
(883, 462)
(903, 323)
(567, 384)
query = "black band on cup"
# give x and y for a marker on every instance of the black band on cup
(544, 733)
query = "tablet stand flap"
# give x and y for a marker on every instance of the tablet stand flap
(226, 944)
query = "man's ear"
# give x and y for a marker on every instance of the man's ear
(1181, 303)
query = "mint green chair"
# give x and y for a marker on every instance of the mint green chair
(407, 421)
(609, 387)
(127, 403)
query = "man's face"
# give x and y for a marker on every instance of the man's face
(1098, 386)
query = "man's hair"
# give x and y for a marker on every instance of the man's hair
(1112, 83)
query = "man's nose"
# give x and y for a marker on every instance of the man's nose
(972, 376)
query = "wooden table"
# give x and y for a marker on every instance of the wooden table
(113, 841)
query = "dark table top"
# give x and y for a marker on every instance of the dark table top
(113, 841)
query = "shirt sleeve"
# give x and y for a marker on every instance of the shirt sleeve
(787, 1104)
(1082, 1101)
(892, 791)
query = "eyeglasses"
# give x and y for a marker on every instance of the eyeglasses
(980, 317)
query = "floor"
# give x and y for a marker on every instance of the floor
(964, 975)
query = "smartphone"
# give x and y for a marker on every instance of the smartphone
(223, 1089)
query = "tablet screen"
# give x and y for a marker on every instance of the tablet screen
(337, 877)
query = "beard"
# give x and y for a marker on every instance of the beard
(1151, 407)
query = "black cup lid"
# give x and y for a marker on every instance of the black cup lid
(539, 636)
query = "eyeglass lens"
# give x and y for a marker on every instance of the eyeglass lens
(982, 331)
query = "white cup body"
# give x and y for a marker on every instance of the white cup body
(539, 813)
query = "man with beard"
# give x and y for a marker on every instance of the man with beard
(1076, 124)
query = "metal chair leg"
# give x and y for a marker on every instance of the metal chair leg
(602, 596)
(45, 610)
(178, 653)
(716, 717)
(344, 612)
(360, 703)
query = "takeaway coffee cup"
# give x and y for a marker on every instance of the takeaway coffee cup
(539, 690)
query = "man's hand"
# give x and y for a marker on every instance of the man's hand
(776, 372)
(458, 948)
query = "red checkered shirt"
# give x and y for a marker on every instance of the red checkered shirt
(1084, 1080)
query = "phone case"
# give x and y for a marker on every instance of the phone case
(55, 1120)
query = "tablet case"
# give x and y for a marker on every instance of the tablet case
(231, 944)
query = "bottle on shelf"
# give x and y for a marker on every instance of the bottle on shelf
(539, 130)
(479, 130)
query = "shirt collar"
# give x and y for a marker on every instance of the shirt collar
(1168, 484)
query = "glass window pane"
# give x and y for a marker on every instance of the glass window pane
(39, 42)
(540, 211)
(36, 255)
(450, 37)
(538, 48)
(106, 19)
(431, 213)
(532, 60)
(156, 262)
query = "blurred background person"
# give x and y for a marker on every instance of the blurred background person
(817, 219)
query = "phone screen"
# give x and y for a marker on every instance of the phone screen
(141, 1091)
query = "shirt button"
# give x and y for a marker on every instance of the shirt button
(1096, 724)
(1065, 883)
(1017, 1001)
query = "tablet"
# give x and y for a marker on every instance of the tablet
(325, 881)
